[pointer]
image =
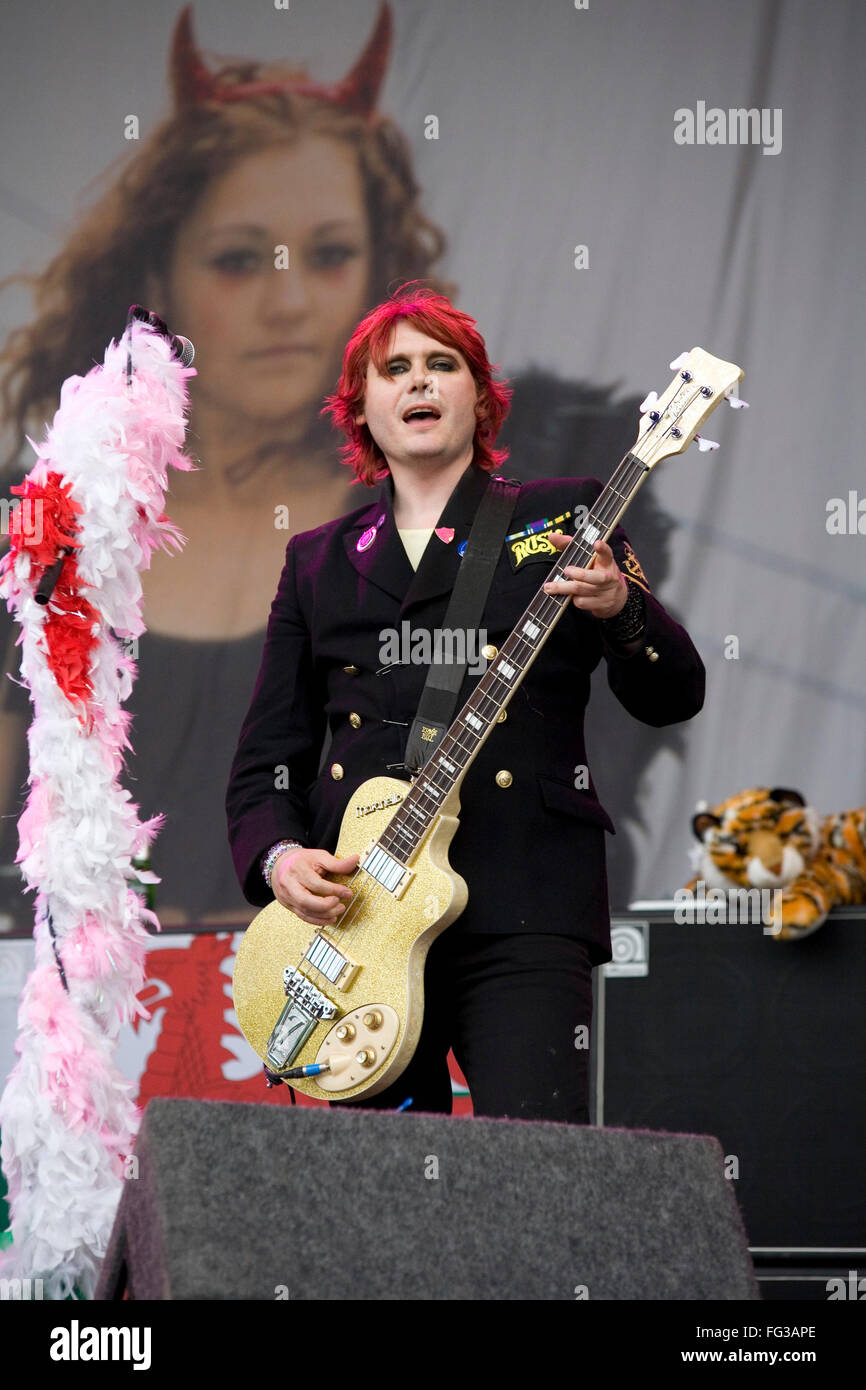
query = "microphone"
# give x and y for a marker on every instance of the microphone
(186, 354)
(48, 582)
(181, 347)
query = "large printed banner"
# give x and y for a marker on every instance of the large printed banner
(191, 1045)
(601, 186)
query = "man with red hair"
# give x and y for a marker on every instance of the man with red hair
(508, 985)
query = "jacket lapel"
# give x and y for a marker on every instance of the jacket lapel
(382, 557)
(375, 550)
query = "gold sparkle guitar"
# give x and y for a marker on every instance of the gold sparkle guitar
(337, 1011)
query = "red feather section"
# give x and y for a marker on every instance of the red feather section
(43, 525)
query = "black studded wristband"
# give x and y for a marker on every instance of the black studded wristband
(630, 621)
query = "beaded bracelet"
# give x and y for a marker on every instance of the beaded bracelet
(630, 621)
(269, 860)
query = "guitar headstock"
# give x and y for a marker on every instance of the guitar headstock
(670, 422)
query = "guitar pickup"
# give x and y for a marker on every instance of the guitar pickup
(336, 967)
(387, 870)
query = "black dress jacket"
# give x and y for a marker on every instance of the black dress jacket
(532, 852)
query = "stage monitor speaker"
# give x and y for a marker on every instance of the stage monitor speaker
(722, 1030)
(236, 1201)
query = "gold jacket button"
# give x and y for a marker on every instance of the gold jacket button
(504, 778)
(336, 771)
(355, 721)
(502, 716)
(651, 653)
(351, 670)
(489, 652)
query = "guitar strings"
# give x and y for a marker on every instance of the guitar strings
(369, 888)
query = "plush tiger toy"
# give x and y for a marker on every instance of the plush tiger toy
(769, 838)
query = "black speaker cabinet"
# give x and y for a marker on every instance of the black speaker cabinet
(722, 1030)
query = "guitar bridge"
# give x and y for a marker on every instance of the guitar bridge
(306, 1007)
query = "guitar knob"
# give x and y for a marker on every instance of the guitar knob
(366, 1057)
(346, 1032)
(373, 1020)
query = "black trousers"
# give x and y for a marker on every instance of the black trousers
(517, 1010)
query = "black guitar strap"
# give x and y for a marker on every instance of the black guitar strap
(468, 597)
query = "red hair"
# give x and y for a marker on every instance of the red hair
(436, 316)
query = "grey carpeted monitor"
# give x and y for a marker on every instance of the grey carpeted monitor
(237, 1201)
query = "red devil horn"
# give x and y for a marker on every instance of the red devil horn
(359, 89)
(191, 81)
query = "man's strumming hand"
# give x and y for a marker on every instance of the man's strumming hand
(298, 882)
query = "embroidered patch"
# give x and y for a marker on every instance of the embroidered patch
(532, 543)
(539, 547)
(631, 567)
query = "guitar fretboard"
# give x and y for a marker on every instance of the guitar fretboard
(455, 750)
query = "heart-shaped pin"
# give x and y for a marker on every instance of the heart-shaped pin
(445, 533)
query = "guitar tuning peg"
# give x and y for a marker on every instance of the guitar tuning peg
(732, 396)
(705, 445)
(679, 361)
(648, 403)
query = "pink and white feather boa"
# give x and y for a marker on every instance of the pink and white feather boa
(67, 1116)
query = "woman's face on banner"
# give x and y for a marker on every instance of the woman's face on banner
(269, 277)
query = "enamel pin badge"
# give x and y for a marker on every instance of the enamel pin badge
(366, 539)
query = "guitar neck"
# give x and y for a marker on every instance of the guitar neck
(452, 757)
